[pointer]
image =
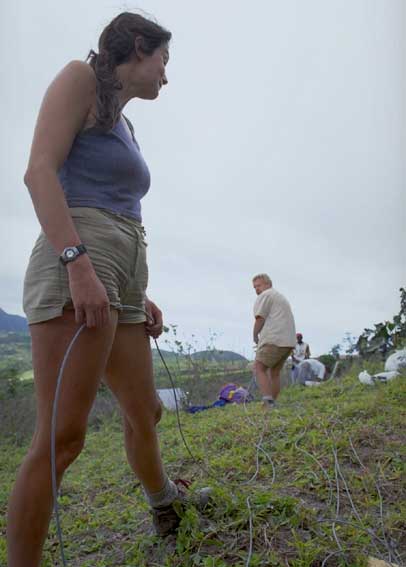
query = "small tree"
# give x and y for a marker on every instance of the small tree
(9, 381)
(329, 361)
(335, 351)
(385, 336)
(349, 343)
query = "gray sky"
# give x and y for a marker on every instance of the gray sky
(278, 146)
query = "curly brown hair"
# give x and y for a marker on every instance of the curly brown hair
(116, 46)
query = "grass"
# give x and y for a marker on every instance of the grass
(319, 481)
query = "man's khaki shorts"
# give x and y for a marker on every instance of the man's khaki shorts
(117, 249)
(273, 356)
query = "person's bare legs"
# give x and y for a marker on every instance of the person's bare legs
(263, 378)
(275, 381)
(31, 502)
(269, 380)
(275, 377)
(129, 375)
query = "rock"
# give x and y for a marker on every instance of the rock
(204, 497)
(396, 361)
(372, 562)
(365, 378)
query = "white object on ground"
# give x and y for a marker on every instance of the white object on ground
(396, 361)
(385, 376)
(365, 378)
(312, 383)
(167, 397)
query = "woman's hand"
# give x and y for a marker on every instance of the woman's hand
(154, 324)
(89, 295)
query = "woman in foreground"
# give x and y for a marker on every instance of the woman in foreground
(86, 177)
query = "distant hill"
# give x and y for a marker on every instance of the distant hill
(16, 324)
(219, 356)
(209, 355)
(167, 354)
(12, 323)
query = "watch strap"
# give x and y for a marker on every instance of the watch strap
(80, 249)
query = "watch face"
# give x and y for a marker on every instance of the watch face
(70, 253)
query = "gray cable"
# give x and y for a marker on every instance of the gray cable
(328, 557)
(251, 533)
(354, 509)
(338, 474)
(333, 525)
(330, 498)
(53, 443)
(392, 551)
(337, 465)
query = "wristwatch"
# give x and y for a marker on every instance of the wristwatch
(70, 253)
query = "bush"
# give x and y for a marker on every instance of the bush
(9, 382)
(329, 361)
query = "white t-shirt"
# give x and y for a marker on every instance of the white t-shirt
(300, 351)
(279, 327)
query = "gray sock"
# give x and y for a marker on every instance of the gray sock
(268, 399)
(164, 497)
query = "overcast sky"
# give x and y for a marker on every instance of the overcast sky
(278, 146)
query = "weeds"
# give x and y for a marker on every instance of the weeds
(326, 487)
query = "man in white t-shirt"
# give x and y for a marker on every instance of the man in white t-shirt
(274, 333)
(301, 352)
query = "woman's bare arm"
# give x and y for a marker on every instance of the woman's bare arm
(64, 112)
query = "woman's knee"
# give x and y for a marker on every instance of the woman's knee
(67, 448)
(158, 411)
(152, 414)
(145, 421)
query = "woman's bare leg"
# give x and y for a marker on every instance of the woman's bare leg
(31, 501)
(130, 377)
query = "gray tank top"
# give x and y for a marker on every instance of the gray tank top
(106, 170)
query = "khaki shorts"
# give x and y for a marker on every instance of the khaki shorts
(273, 356)
(117, 249)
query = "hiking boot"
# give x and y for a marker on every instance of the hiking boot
(165, 520)
(268, 404)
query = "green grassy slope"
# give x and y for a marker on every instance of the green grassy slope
(289, 487)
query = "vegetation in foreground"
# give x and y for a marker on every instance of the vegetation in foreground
(320, 481)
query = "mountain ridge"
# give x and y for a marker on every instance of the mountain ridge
(16, 324)
(12, 323)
